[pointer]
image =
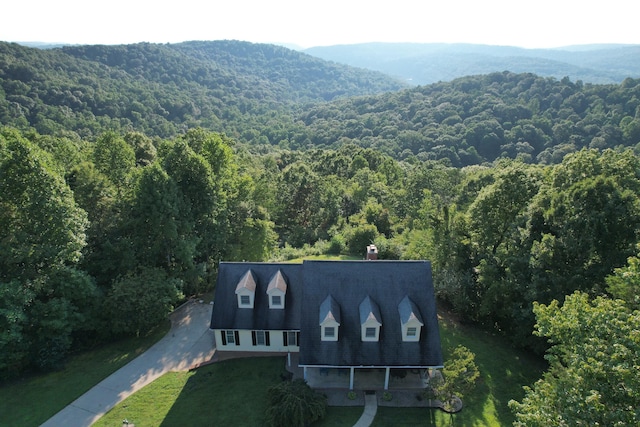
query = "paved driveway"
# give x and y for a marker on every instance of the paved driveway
(188, 344)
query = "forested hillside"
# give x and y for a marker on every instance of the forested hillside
(481, 118)
(128, 173)
(267, 96)
(162, 90)
(421, 64)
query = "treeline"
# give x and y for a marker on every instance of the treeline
(271, 98)
(101, 239)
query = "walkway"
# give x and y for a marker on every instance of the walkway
(189, 343)
(370, 409)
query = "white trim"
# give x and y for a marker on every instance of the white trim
(329, 323)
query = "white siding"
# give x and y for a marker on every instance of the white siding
(276, 341)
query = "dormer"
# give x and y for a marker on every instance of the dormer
(329, 319)
(277, 290)
(246, 290)
(370, 320)
(410, 320)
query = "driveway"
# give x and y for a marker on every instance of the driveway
(189, 343)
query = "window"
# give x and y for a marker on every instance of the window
(291, 338)
(329, 332)
(245, 300)
(260, 338)
(276, 300)
(411, 332)
(370, 333)
(230, 337)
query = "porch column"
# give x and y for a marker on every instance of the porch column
(304, 373)
(386, 378)
(351, 372)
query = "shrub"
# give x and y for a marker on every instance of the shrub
(294, 404)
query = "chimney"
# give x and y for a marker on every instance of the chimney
(372, 253)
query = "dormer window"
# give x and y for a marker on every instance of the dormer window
(276, 301)
(246, 290)
(277, 290)
(329, 332)
(329, 319)
(370, 320)
(410, 320)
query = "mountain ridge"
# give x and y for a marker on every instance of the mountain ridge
(425, 63)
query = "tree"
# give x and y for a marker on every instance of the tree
(42, 235)
(41, 227)
(139, 301)
(115, 158)
(459, 377)
(593, 374)
(294, 404)
(624, 283)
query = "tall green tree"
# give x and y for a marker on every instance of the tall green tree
(41, 226)
(115, 158)
(593, 375)
(42, 234)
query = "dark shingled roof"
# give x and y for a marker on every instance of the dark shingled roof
(349, 283)
(385, 282)
(227, 315)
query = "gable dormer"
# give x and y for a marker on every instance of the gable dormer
(410, 320)
(370, 320)
(277, 290)
(246, 290)
(329, 319)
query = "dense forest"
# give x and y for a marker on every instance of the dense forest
(523, 192)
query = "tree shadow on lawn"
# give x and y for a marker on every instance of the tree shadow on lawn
(504, 370)
(232, 392)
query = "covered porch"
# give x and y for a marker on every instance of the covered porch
(361, 377)
(366, 378)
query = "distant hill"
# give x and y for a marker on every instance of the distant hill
(162, 89)
(430, 63)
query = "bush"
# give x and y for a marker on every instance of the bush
(358, 238)
(294, 404)
(337, 245)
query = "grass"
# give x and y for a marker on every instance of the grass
(55, 390)
(326, 257)
(234, 392)
(503, 372)
(231, 392)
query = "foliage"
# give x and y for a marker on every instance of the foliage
(592, 379)
(295, 404)
(459, 377)
(139, 301)
(624, 283)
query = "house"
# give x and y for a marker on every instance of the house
(336, 315)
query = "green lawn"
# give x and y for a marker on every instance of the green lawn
(503, 372)
(326, 258)
(227, 393)
(234, 392)
(33, 400)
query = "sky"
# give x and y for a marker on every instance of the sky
(530, 24)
